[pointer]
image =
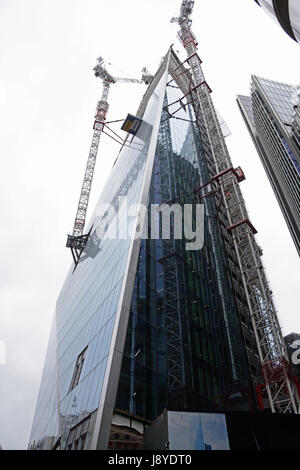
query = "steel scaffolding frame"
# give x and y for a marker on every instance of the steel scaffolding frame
(279, 384)
(215, 214)
(170, 262)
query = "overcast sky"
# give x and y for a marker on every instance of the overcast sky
(48, 95)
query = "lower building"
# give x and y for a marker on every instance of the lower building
(193, 430)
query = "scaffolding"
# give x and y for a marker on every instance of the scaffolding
(172, 271)
(179, 300)
(279, 386)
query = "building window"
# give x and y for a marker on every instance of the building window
(78, 369)
(77, 435)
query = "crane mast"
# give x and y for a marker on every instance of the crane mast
(77, 240)
(280, 387)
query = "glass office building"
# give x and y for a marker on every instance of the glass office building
(286, 13)
(144, 323)
(272, 118)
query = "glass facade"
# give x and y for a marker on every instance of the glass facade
(88, 303)
(185, 308)
(280, 96)
(269, 115)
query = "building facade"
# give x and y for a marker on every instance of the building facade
(271, 116)
(184, 345)
(286, 13)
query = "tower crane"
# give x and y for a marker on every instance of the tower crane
(185, 12)
(77, 240)
(280, 386)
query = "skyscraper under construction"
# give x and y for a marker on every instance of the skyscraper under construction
(147, 323)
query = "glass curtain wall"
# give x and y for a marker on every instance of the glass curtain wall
(87, 308)
(183, 350)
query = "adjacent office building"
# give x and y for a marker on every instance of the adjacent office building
(286, 13)
(271, 115)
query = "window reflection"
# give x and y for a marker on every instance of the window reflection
(86, 308)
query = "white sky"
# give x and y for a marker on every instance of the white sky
(48, 95)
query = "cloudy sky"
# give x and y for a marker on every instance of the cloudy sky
(48, 95)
